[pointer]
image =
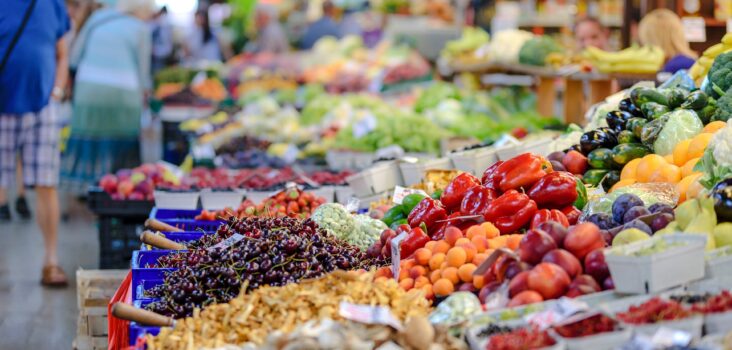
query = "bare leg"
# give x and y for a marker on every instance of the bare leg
(19, 179)
(48, 220)
(3, 196)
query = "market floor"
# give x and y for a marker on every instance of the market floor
(33, 317)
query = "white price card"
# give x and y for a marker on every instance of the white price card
(369, 314)
(364, 125)
(227, 242)
(396, 244)
(695, 29)
(401, 192)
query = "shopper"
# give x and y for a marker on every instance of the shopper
(203, 43)
(588, 31)
(663, 28)
(325, 26)
(112, 60)
(270, 34)
(162, 40)
(33, 70)
(21, 204)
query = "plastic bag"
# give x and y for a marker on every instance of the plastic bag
(682, 124)
(649, 193)
(680, 79)
(456, 309)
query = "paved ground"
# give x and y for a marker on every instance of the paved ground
(33, 317)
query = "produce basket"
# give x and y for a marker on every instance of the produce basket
(140, 273)
(173, 214)
(118, 238)
(474, 161)
(413, 173)
(692, 324)
(509, 151)
(343, 194)
(718, 262)
(380, 177)
(676, 265)
(601, 341)
(176, 200)
(216, 200)
(720, 322)
(339, 160)
(362, 160)
(541, 146)
(101, 203)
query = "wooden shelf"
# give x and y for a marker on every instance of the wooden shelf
(713, 22)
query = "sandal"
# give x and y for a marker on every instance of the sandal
(54, 276)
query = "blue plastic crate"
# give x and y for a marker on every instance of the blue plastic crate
(184, 219)
(136, 330)
(178, 214)
(143, 277)
(178, 237)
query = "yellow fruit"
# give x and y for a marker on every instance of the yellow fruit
(666, 173)
(622, 183)
(629, 170)
(669, 158)
(714, 126)
(680, 152)
(688, 168)
(647, 166)
(695, 188)
(683, 185)
(698, 145)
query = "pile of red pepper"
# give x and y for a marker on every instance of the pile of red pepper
(517, 194)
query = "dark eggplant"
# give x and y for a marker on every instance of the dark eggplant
(696, 100)
(626, 105)
(595, 139)
(722, 195)
(611, 178)
(616, 120)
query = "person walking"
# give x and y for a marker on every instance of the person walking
(33, 71)
(112, 59)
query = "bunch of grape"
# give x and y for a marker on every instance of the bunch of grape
(273, 252)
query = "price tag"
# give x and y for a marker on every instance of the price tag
(396, 244)
(225, 244)
(401, 192)
(668, 338)
(364, 126)
(695, 29)
(204, 151)
(559, 312)
(369, 314)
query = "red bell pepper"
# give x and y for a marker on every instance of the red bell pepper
(555, 190)
(490, 177)
(453, 194)
(415, 239)
(476, 200)
(545, 215)
(511, 211)
(522, 171)
(572, 214)
(427, 212)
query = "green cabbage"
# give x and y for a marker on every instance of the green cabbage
(682, 124)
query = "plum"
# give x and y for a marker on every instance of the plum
(661, 208)
(661, 221)
(634, 213)
(602, 220)
(639, 225)
(624, 202)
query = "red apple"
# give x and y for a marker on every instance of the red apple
(518, 284)
(487, 290)
(136, 196)
(550, 280)
(524, 298)
(145, 187)
(583, 284)
(596, 266)
(582, 239)
(124, 188)
(608, 283)
(555, 230)
(124, 174)
(108, 183)
(534, 244)
(565, 260)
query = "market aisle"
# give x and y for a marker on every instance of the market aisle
(32, 317)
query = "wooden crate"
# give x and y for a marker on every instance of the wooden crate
(94, 290)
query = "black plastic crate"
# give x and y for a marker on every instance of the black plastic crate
(101, 203)
(118, 238)
(175, 143)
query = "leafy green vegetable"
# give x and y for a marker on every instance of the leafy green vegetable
(535, 51)
(682, 124)
(716, 163)
(720, 75)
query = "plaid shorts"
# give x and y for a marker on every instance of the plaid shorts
(35, 138)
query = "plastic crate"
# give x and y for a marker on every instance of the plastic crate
(141, 273)
(601, 341)
(339, 160)
(176, 200)
(216, 200)
(692, 324)
(137, 330)
(412, 173)
(183, 219)
(118, 238)
(176, 214)
(653, 273)
(379, 178)
(718, 262)
(474, 161)
(101, 203)
(178, 237)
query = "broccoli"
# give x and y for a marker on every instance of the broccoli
(723, 108)
(720, 76)
(535, 51)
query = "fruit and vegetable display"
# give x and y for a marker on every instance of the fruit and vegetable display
(523, 338)
(634, 59)
(138, 183)
(293, 203)
(702, 66)
(653, 311)
(251, 317)
(586, 327)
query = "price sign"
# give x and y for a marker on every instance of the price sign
(396, 243)
(227, 242)
(695, 29)
(401, 192)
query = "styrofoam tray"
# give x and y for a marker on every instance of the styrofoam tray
(327, 192)
(216, 200)
(692, 325)
(653, 273)
(343, 194)
(718, 262)
(601, 341)
(362, 160)
(413, 173)
(380, 177)
(474, 161)
(720, 322)
(339, 160)
(176, 200)
(541, 146)
(509, 151)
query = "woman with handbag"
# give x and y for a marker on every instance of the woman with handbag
(111, 58)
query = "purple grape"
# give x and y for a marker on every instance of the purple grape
(661, 208)
(639, 225)
(661, 221)
(634, 213)
(624, 202)
(602, 220)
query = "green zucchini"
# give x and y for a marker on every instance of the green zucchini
(626, 136)
(635, 125)
(625, 152)
(600, 158)
(696, 100)
(653, 110)
(675, 97)
(611, 178)
(594, 176)
(642, 95)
